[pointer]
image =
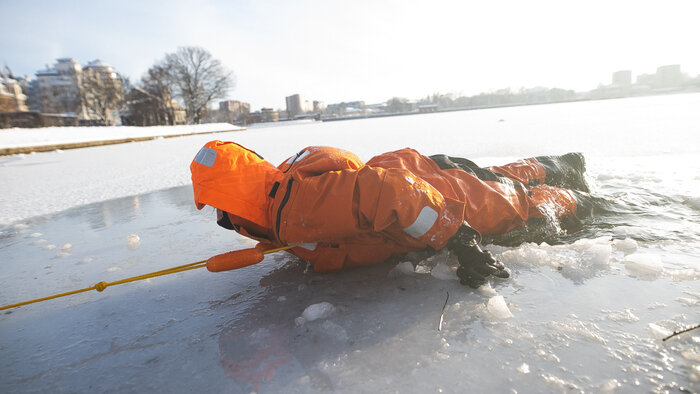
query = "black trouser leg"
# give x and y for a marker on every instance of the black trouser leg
(565, 171)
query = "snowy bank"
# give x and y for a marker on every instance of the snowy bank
(44, 139)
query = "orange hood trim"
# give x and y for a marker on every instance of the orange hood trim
(235, 179)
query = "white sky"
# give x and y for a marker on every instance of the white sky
(364, 50)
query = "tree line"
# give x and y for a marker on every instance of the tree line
(188, 79)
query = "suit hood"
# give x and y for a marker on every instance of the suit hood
(230, 177)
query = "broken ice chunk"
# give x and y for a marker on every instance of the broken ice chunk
(497, 308)
(133, 241)
(487, 290)
(659, 332)
(405, 268)
(684, 274)
(687, 301)
(318, 311)
(443, 271)
(691, 355)
(627, 245)
(609, 385)
(644, 265)
(598, 255)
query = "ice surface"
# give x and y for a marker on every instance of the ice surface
(581, 322)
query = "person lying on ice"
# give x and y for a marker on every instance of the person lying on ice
(346, 213)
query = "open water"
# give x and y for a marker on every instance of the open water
(584, 311)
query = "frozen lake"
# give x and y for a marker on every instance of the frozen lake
(588, 309)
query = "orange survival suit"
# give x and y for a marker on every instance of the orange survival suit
(346, 213)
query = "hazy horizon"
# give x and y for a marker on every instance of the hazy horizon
(364, 51)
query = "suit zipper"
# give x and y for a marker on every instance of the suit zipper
(282, 204)
(293, 161)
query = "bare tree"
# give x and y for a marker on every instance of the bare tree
(157, 85)
(197, 79)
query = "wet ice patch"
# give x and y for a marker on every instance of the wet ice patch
(133, 241)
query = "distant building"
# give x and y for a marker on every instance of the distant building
(146, 109)
(233, 111)
(11, 97)
(319, 106)
(346, 108)
(234, 106)
(269, 115)
(60, 88)
(669, 76)
(427, 108)
(294, 105)
(646, 79)
(622, 78)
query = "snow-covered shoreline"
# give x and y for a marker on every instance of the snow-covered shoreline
(17, 140)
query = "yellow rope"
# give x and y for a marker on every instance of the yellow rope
(103, 285)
